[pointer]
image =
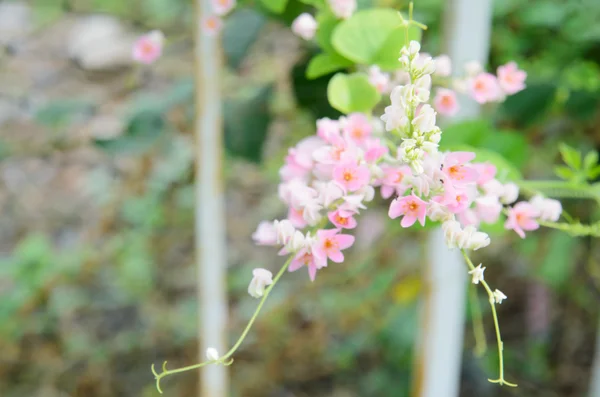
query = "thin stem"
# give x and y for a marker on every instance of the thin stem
(562, 189)
(222, 359)
(501, 379)
(478, 332)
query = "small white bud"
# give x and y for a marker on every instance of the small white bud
(477, 274)
(260, 279)
(498, 296)
(212, 354)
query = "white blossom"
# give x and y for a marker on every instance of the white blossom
(510, 193)
(284, 231)
(549, 209)
(261, 278)
(477, 274)
(498, 296)
(212, 354)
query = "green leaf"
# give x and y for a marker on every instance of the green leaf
(327, 22)
(594, 173)
(506, 171)
(544, 13)
(371, 37)
(323, 64)
(352, 93)
(62, 112)
(530, 104)
(470, 132)
(582, 105)
(570, 156)
(143, 131)
(510, 144)
(246, 122)
(387, 57)
(241, 31)
(558, 263)
(276, 6)
(590, 160)
(564, 172)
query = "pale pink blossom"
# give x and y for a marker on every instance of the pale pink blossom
(351, 176)
(148, 48)
(521, 218)
(443, 66)
(468, 217)
(357, 128)
(511, 78)
(457, 170)
(395, 180)
(328, 129)
(445, 102)
(212, 25)
(299, 161)
(329, 244)
(284, 230)
(549, 209)
(374, 150)
(265, 234)
(379, 79)
(485, 88)
(342, 8)
(486, 172)
(222, 7)
(456, 199)
(342, 219)
(488, 208)
(305, 257)
(412, 208)
(304, 26)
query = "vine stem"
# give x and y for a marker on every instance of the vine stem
(223, 359)
(501, 381)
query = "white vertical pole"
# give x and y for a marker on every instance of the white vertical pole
(595, 372)
(467, 32)
(209, 210)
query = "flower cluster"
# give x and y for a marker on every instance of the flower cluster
(327, 179)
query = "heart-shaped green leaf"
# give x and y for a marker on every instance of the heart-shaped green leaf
(352, 93)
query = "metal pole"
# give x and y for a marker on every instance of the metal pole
(209, 209)
(467, 32)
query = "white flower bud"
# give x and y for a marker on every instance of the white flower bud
(304, 26)
(473, 68)
(296, 242)
(284, 231)
(498, 296)
(510, 193)
(413, 48)
(477, 274)
(212, 354)
(549, 209)
(443, 66)
(261, 278)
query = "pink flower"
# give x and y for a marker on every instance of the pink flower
(342, 219)
(456, 200)
(329, 245)
(455, 168)
(521, 218)
(342, 8)
(148, 48)
(299, 161)
(485, 88)
(212, 25)
(222, 7)
(486, 172)
(296, 216)
(378, 79)
(304, 26)
(328, 129)
(265, 234)
(488, 208)
(374, 150)
(395, 180)
(468, 218)
(445, 102)
(412, 207)
(357, 128)
(443, 66)
(350, 176)
(304, 257)
(511, 78)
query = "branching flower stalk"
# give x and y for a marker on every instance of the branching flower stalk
(226, 359)
(493, 298)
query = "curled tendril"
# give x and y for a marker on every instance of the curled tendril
(226, 359)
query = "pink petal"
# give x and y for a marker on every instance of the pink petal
(345, 240)
(408, 221)
(396, 209)
(312, 272)
(336, 256)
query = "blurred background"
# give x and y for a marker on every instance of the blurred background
(97, 274)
